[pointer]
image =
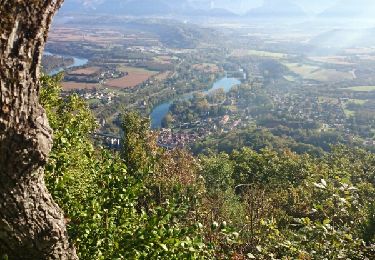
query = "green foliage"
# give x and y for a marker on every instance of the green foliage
(136, 148)
(291, 206)
(256, 138)
(326, 234)
(102, 198)
(68, 173)
(369, 225)
(149, 203)
(218, 172)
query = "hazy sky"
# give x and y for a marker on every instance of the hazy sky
(314, 6)
(241, 6)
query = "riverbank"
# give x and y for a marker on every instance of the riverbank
(159, 112)
(77, 62)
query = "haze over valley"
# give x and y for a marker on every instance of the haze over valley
(309, 76)
(187, 129)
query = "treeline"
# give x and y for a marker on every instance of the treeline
(150, 203)
(279, 138)
(53, 62)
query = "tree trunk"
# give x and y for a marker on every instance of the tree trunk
(32, 225)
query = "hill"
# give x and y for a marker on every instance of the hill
(277, 8)
(142, 8)
(351, 9)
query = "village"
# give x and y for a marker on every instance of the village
(307, 99)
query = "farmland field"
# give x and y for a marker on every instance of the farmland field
(86, 71)
(206, 67)
(362, 88)
(135, 77)
(290, 78)
(70, 85)
(347, 111)
(244, 52)
(339, 60)
(316, 73)
(163, 76)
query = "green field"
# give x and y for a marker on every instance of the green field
(319, 74)
(350, 113)
(268, 54)
(358, 101)
(362, 88)
(290, 78)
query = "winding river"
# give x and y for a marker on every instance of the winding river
(77, 62)
(160, 111)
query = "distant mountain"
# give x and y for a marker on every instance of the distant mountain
(277, 8)
(141, 8)
(236, 6)
(351, 9)
(74, 6)
(134, 7)
(126, 7)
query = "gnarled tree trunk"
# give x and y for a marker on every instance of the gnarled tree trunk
(32, 225)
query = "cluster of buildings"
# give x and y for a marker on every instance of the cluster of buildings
(188, 133)
(326, 112)
(310, 109)
(170, 139)
(104, 96)
(99, 76)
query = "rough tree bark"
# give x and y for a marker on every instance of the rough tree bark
(32, 225)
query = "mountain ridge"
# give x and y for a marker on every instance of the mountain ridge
(141, 8)
(350, 9)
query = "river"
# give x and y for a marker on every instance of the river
(160, 111)
(77, 62)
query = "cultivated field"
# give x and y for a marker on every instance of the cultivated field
(163, 59)
(163, 76)
(86, 71)
(339, 60)
(362, 88)
(104, 37)
(348, 112)
(290, 78)
(244, 52)
(70, 85)
(135, 77)
(316, 73)
(206, 67)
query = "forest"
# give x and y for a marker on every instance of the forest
(145, 202)
(283, 167)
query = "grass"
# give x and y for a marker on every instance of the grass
(330, 100)
(362, 88)
(244, 52)
(69, 85)
(358, 101)
(162, 76)
(290, 78)
(134, 69)
(312, 72)
(339, 60)
(135, 77)
(86, 71)
(348, 112)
